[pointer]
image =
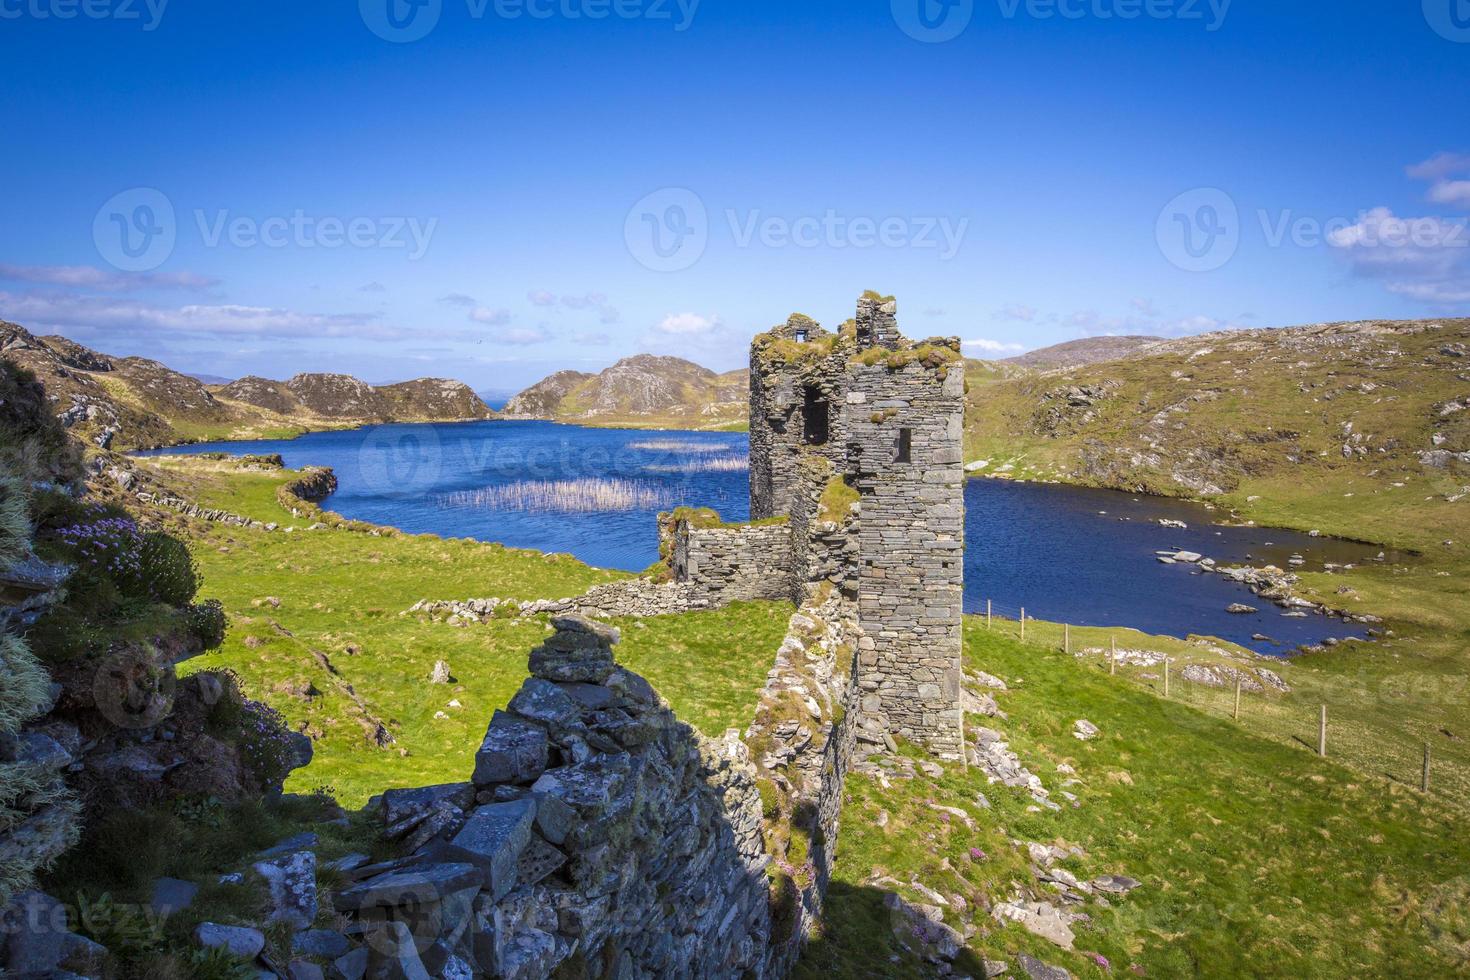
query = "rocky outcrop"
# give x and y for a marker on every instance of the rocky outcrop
(645, 386)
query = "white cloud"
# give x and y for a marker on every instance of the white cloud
(541, 297)
(372, 287)
(1455, 193)
(991, 346)
(458, 299)
(934, 311)
(1424, 259)
(523, 336)
(1145, 306)
(683, 324)
(107, 280)
(606, 312)
(1441, 165)
(494, 317)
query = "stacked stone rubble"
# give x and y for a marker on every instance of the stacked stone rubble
(598, 837)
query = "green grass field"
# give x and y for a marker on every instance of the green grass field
(1256, 857)
(316, 613)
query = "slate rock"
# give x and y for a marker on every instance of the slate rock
(401, 804)
(304, 970)
(494, 838)
(421, 885)
(237, 940)
(172, 895)
(591, 697)
(292, 884)
(554, 819)
(544, 702)
(1037, 970)
(514, 751)
(393, 954)
(36, 925)
(300, 842)
(353, 966)
(322, 943)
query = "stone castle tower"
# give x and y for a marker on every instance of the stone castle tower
(885, 416)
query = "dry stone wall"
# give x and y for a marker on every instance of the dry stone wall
(734, 564)
(598, 837)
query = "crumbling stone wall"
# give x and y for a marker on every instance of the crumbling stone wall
(803, 737)
(785, 373)
(598, 837)
(733, 564)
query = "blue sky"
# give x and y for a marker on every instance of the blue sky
(274, 187)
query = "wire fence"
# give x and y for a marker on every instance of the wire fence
(1239, 689)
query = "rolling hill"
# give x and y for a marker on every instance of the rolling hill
(133, 403)
(644, 391)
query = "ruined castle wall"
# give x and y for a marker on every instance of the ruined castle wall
(821, 550)
(784, 378)
(735, 564)
(804, 737)
(912, 545)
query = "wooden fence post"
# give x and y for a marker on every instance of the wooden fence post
(987, 614)
(1113, 658)
(1237, 699)
(1066, 638)
(1023, 624)
(1322, 734)
(1424, 773)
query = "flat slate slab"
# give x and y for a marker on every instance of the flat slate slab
(417, 885)
(494, 838)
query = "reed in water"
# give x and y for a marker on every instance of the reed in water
(586, 495)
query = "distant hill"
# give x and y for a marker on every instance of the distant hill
(645, 390)
(1088, 350)
(1362, 407)
(208, 379)
(131, 402)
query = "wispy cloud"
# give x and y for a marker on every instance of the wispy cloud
(372, 287)
(1017, 311)
(105, 280)
(488, 315)
(683, 324)
(73, 311)
(458, 299)
(988, 346)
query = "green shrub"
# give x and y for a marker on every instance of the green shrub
(167, 572)
(208, 622)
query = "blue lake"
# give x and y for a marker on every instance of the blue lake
(1064, 553)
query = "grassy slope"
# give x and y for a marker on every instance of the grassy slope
(1256, 858)
(1277, 397)
(341, 596)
